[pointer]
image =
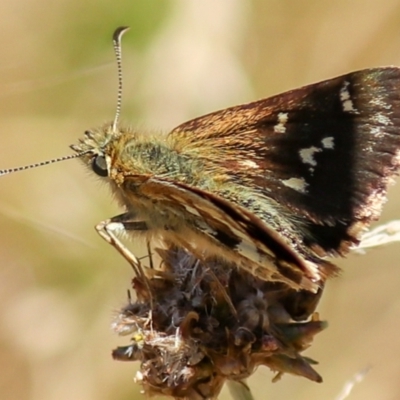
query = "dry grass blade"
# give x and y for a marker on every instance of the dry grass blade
(381, 235)
(349, 385)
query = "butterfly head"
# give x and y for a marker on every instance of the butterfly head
(94, 147)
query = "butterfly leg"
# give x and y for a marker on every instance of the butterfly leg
(109, 229)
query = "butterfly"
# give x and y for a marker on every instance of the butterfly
(275, 186)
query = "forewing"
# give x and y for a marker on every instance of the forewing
(325, 152)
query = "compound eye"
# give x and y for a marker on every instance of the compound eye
(99, 165)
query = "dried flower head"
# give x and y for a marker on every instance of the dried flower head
(194, 326)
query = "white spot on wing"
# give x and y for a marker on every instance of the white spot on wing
(345, 98)
(297, 184)
(307, 155)
(280, 126)
(328, 143)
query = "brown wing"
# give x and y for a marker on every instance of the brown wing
(325, 152)
(233, 234)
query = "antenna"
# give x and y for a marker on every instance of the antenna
(117, 49)
(118, 55)
(42, 163)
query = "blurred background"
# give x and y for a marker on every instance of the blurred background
(60, 284)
